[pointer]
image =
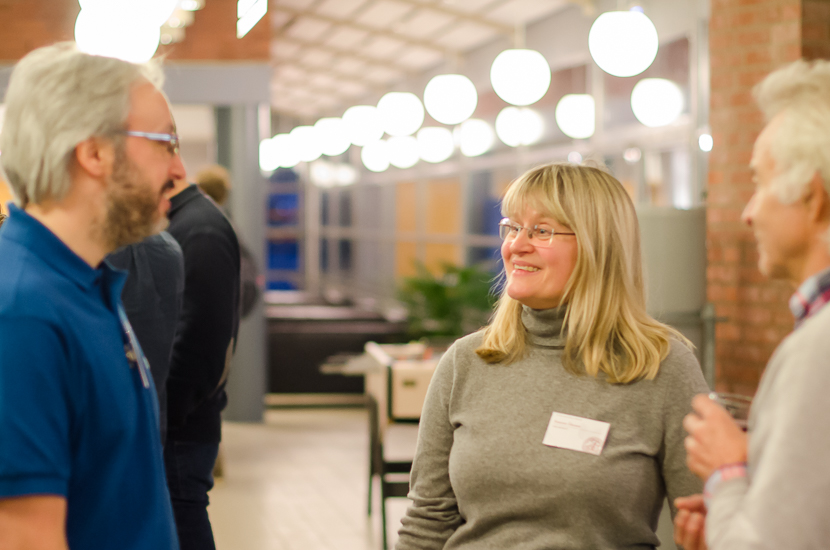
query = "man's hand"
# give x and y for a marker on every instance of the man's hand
(714, 439)
(689, 523)
(33, 523)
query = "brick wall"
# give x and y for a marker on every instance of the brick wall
(747, 40)
(29, 24)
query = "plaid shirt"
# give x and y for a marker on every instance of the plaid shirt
(810, 296)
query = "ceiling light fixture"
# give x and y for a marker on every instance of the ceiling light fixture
(520, 77)
(363, 124)
(435, 144)
(450, 98)
(656, 101)
(401, 113)
(575, 115)
(623, 43)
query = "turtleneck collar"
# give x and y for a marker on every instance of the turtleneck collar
(544, 326)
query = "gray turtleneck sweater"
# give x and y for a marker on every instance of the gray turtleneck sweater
(482, 479)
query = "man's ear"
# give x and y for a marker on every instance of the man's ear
(95, 156)
(818, 200)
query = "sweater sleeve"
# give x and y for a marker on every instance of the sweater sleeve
(433, 515)
(684, 381)
(784, 502)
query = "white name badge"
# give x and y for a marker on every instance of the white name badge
(576, 433)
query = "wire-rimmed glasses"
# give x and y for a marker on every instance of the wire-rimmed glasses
(538, 235)
(171, 140)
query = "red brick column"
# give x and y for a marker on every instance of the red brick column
(747, 40)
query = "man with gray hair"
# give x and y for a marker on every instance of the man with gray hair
(89, 150)
(772, 488)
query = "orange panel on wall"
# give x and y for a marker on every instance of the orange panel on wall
(405, 255)
(406, 207)
(444, 206)
(438, 254)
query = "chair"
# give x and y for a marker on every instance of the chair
(393, 475)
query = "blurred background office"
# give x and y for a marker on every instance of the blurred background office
(369, 142)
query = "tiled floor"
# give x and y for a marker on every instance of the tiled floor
(298, 482)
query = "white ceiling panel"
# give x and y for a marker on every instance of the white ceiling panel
(383, 75)
(474, 6)
(346, 38)
(340, 9)
(424, 23)
(322, 80)
(382, 47)
(279, 19)
(317, 58)
(290, 73)
(524, 11)
(285, 50)
(349, 65)
(383, 13)
(352, 89)
(296, 4)
(465, 36)
(307, 28)
(418, 58)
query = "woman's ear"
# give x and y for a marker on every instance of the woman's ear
(95, 156)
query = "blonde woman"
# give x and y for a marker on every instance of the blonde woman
(558, 426)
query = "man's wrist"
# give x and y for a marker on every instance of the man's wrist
(722, 474)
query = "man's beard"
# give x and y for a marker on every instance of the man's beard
(132, 207)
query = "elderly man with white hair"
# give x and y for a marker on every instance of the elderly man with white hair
(90, 151)
(771, 490)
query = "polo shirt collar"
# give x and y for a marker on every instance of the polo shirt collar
(41, 242)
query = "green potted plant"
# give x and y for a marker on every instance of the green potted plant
(445, 307)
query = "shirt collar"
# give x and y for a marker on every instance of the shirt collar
(22, 228)
(185, 195)
(810, 296)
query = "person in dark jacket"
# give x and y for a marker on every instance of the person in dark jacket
(152, 298)
(202, 350)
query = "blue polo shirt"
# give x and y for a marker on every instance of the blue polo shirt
(77, 418)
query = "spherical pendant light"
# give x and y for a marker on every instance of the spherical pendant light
(306, 143)
(403, 151)
(268, 156)
(575, 115)
(656, 101)
(475, 137)
(363, 124)
(401, 113)
(331, 132)
(516, 126)
(450, 98)
(623, 43)
(520, 77)
(375, 156)
(435, 144)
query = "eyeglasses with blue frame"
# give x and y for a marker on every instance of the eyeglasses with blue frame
(172, 140)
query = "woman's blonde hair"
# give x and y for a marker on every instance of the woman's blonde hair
(606, 326)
